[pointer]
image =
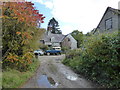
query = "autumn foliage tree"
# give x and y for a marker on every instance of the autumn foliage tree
(20, 31)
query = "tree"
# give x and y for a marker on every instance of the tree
(78, 36)
(19, 22)
(53, 27)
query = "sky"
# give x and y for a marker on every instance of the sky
(82, 15)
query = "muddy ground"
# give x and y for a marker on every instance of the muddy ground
(53, 74)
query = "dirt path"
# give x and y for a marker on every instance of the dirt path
(53, 74)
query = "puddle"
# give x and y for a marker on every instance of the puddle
(72, 78)
(46, 82)
(69, 76)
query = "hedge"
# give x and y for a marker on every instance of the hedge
(98, 59)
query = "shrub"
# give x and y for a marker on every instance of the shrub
(64, 49)
(99, 59)
(16, 62)
(43, 47)
(72, 53)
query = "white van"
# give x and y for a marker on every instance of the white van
(56, 48)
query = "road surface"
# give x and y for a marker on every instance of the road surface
(53, 74)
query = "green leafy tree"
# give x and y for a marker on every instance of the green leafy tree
(78, 36)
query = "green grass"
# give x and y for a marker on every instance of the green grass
(12, 78)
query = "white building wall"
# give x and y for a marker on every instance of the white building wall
(73, 42)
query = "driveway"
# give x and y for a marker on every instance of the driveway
(53, 74)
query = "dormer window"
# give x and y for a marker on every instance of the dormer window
(108, 24)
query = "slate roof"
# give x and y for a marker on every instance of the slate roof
(114, 10)
(55, 37)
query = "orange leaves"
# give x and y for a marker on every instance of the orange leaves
(1, 16)
(22, 19)
(25, 12)
(28, 56)
(26, 35)
(17, 61)
(12, 58)
(12, 14)
(18, 33)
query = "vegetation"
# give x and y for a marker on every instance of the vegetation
(64, 50)
(98, 59)
(20, 34)
(13, 78)
(43, 47)
(53, 26)
(78, 36)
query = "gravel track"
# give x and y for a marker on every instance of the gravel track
(53, 74)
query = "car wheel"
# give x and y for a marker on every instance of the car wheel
(48, 54)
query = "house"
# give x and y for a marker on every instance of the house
(59, 40)
(52, 40)
(110, 21)
(69, 42)
(53, 37)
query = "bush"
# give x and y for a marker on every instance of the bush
(44, 47)
(72, 53)
(64, 49)
(16, 62)
(99, 60)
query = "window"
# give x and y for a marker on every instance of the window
(50, 39)
(108, 24)
(68, 39)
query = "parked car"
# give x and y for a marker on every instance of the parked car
(54, 52)
(38, 52)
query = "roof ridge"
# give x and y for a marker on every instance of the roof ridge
(114, 10)
(108, 8)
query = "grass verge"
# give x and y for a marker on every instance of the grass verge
(12, 78)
